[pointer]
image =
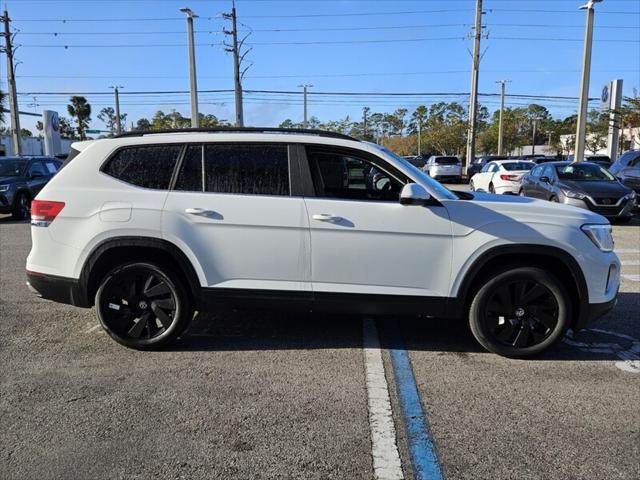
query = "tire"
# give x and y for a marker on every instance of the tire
(143, 305)
(21, 207)
(520, 312)
(554, 199)
(492, 188)
(621, 220)
(521, 193)
(472, 187)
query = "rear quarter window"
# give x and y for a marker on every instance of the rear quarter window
(145, 166)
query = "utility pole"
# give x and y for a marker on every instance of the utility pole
(11, 86)
(195, 119)
(473, 101)
(117, 95)
(235, 48)
(584, 85)
(304, 118)
(501, 121)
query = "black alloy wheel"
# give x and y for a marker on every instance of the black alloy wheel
(22, 207)
(142, 306)
(520, 312)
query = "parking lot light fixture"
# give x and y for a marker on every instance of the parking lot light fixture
(195, 121)
(584, 86)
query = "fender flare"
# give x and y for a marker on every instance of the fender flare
(529, 249)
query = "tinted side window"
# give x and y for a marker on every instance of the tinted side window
(38, 167)
(250, 169)
(536, 171)
(635, 161)
(148, 167)
(548, 172)
(190, 176)
(338, 175)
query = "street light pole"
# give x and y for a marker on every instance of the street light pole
(195, 120)
(533, 139)
(584, 86)
(473, 101)
(501, 121)
(117, 95)
(304, 118)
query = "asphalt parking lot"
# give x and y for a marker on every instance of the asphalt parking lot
(253, 395)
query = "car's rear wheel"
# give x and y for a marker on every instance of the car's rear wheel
(520, 312)
(21, 207)
(554, 199)
(143, 306)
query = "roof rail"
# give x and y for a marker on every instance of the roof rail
(320, 133)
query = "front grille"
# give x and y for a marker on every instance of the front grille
(606, 200)
(607, 211)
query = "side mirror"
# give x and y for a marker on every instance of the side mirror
(545, 179)
(414, 194)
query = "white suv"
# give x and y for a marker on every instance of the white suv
(149, 227)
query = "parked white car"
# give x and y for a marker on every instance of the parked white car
(444, 168)
(148, 227)
(500, 176)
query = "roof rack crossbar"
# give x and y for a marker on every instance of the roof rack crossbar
(320, 133)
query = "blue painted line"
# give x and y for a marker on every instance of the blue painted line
(421, 448)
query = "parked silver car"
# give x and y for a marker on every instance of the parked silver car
(627, 170)
(444, 168)
(584, 185)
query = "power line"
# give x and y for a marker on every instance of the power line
(331, 29)
(323, 42)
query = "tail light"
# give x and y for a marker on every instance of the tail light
(43, 212)
(511, 178)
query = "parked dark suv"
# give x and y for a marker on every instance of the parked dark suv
(21, 178)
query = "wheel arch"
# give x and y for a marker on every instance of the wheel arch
(114, 251)
(553, 259)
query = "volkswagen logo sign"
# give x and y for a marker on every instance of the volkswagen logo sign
(604, 97)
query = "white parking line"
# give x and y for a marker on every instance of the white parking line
(386, 459)
(92, 328)
(633, 278)
(630, 263)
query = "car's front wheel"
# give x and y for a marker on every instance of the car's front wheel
(520, 312)
(21, 207)
(143, 305)
(472, 187)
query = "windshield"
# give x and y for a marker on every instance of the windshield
(583, 172)
(446, 160)
(417, 162)
(514, 166)
(435, 188)
(12, 167)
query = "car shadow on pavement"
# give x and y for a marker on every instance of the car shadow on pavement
(605, 339)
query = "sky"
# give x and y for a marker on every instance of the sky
(85, 46)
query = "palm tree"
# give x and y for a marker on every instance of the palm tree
(81, 110)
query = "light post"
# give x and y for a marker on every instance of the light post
(117, 95)
(195, 120)
(584, 86)
(304, 118)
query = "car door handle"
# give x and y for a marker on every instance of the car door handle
(199, 211)
(326, 217)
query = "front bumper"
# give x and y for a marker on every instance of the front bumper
(625, 209)
(6, 202)
(58, 289)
